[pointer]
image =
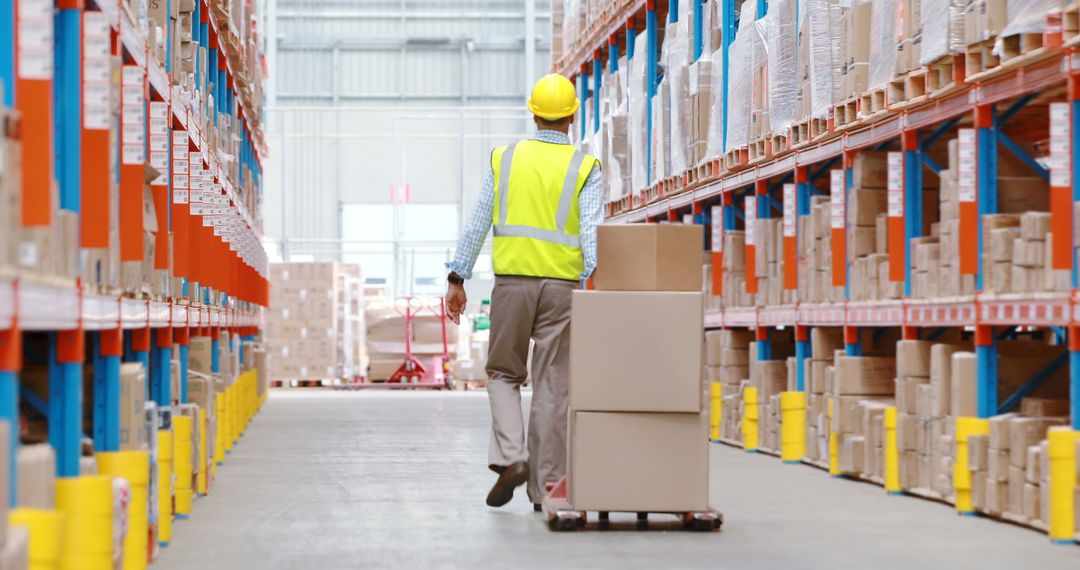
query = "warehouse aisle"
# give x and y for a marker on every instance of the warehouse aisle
(330, 480)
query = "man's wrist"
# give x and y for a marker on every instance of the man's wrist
(455, 279)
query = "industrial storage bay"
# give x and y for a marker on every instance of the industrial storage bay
(322, 481)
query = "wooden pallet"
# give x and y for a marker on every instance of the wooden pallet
(846, 114)
(820, 128)
(759, 150)
(466, 385)
(945, 75)
(907, 89)
(737, 159)
(980, 58)
(800, 133)
(1070, 24)
(780, 144)
(873, 102)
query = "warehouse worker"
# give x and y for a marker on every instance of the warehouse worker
(544, 199)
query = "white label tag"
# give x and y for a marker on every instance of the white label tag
(717, 215)
(838, 194)
(896, 185)
(790, 205)
(750, 205)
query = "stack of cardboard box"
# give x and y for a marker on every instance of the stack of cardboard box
(13, 538)
(302, 329)
(734, 280)
(638, 433)
(385, 336)
(824, 342)
(727, 361)
(815, 254)
(855, 380)
(769, 378)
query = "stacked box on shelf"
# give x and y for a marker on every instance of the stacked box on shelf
(861, 387)
(769, 378)
(820, 66)
(824, 342)
(924, 424)
(301, 332)
(769, 250)
(854, 48)
(637, 429)
(734, 279)
(727, 361)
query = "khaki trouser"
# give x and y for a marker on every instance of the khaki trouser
(524, 308)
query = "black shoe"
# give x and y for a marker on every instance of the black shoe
(513, 475)
(537, 508)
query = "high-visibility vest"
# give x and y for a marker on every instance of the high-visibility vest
(536, 211)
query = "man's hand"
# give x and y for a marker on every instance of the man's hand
(455, 302)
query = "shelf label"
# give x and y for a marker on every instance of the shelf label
(96, 84)
(896, 185)
(966, 178)
(35, 39)
(132, 116)
(750, 204)
(838, 191)
(1060, 145)
(789, 210)
(717, 216)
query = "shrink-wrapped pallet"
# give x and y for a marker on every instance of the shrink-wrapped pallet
(942, 28)
(883, 42)
(1025, 17)
(636, 89)
(782, 88)
(749, 41)
(820, 45)
(677, 59)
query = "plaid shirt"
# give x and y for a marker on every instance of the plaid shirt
(590, 204)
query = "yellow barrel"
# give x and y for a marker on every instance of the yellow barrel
(90, 495)
(715, 411)
(1061, 451)
(961, 475)
(134, 466)
(750, 419)
(792, 426)
(834, 444)
(46, 535)
(204, 473)
(86, 506)
(183, 462)
(98, 562)
(165, 487)
(892, 452)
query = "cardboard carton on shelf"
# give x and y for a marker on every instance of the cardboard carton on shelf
(639, 462)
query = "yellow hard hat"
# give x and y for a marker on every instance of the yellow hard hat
(553, 97)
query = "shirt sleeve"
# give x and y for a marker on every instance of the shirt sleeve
(591, 206)
(472, 239)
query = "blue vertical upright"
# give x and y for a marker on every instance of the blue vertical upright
(65, 410)
(10, 363)
(699, 24)
(67, 100)
(728, 26)
(598, 73)
(7, 60)
(912, 192)
(986, 175)
(106, 392)
(652, 39)
(802, 352)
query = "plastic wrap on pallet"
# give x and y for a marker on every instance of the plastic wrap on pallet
(660, 128)
(715, 145)
(942, 28)
(638, 116)
(782, 70)
(741, 66)
(883, 41)
(677, 60)
(1026, 17)
(819, 23)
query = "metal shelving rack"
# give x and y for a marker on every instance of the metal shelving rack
(977, 108)
(88, 328)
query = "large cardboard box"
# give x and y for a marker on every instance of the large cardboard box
(200, 354)
(616, 366)
(132, 407)
(864, 375)
(638, 462)
(649, 257)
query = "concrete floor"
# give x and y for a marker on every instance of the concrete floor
(327, 480)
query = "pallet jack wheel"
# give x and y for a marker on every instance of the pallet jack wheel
(604, 519)
(565, 524)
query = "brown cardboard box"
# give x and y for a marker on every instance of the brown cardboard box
(200, 355)
(614, 367)
(978, 452)
(997, 467)
(864, 375)
(1016, 490)
(825, 341)
(1025, 432)
(1044, 407)
(36, 474)
(638, 462)
(648, 257)
(964, 385)
(997, 496)
(132, 407)
(865, 206)
(941, 378)
(913, 358)
(1033, 464)
(999, 431)
(1031, 501)
(852, 453)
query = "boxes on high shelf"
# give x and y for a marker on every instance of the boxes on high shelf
(132, 407)
(638, 461)
(864, 375)
(613, 367)
(648, 257)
